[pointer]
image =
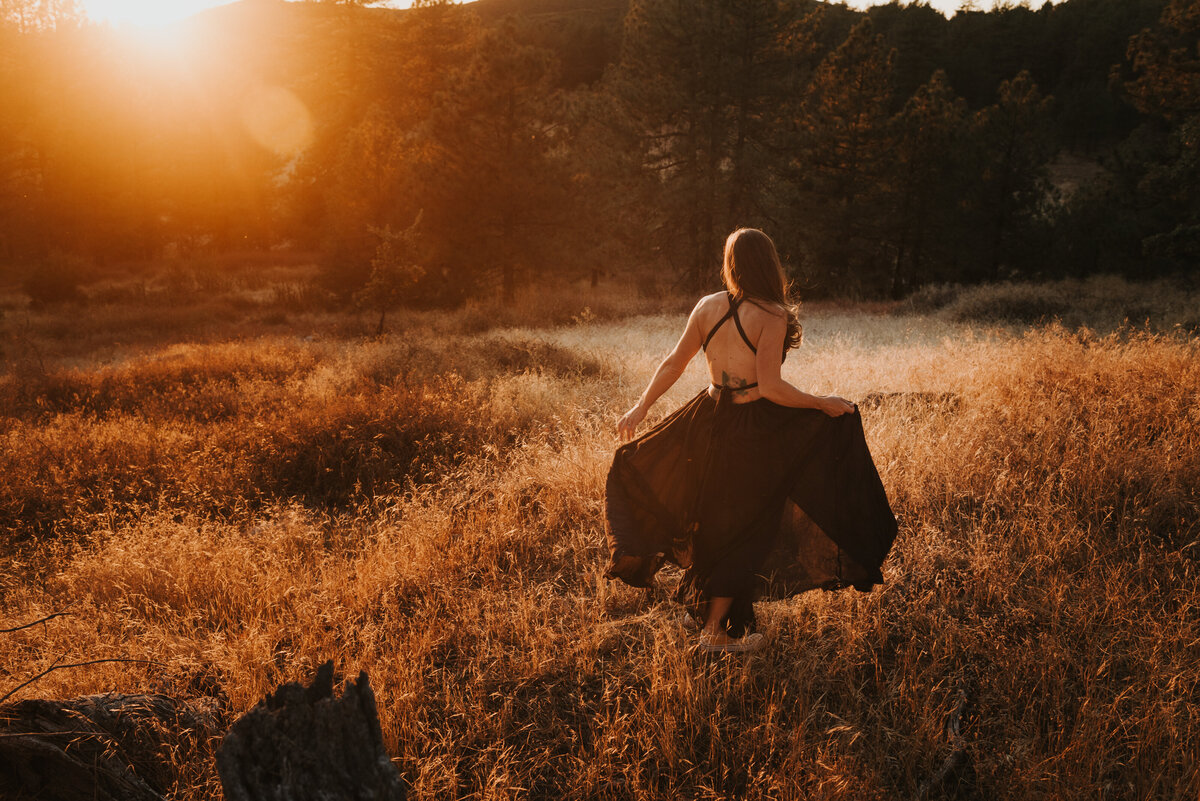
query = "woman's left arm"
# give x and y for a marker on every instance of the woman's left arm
(668, 372)
(772, 385)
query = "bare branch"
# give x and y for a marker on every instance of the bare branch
(53, 668)
(34, 623)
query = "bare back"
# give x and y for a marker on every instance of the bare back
(731, 332)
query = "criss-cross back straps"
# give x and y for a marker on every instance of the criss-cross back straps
(733, 307)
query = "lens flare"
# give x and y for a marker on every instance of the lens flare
(277, 120)
(144, 13)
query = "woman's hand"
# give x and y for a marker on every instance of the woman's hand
(834, 406)
(629, 422)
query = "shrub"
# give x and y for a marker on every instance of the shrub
(931, 298)
(1102, 302)
(56, 279)
(301, 296)
(536, 355)
(351, 448)
(1026, 304)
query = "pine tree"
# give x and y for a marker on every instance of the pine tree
(928, 181)
(395, 271)
(492, 178)
(844, 145)
(701, 87)
(373, 90)
(30, 16)
(1013, 143)
(1166, 62)
(365, 194)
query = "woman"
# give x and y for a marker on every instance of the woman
(754, 487)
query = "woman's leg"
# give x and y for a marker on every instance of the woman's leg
(718, 608)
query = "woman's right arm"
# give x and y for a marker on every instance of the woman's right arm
(668, 372)
(771, 383)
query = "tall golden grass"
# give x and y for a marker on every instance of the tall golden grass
(241, 503)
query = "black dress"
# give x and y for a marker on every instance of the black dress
(753, 500)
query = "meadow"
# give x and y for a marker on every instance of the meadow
(218, 473)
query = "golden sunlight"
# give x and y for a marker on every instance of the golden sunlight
(277, 120)
(157, 13)
(145, 13)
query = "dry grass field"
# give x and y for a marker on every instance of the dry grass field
(231, 482)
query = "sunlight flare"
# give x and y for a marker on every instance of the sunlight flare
(144, 13)
(277, 120)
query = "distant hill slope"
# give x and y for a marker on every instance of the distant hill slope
(495, 9)
(584, 34)
(260, 11)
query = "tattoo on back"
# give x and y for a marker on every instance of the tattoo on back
(738, 385)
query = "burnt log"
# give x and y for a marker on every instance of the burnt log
(104, 747)
(302, 744)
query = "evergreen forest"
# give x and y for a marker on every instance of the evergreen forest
(428, 155)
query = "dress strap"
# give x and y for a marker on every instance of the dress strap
(733, 307)
(738, 322)
(732, 311)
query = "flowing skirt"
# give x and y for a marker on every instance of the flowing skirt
(753, 500)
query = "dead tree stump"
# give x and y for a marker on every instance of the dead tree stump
(302, 744)
(103, 747)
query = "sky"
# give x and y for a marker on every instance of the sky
(151, 13)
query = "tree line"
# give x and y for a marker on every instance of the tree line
(445, 151)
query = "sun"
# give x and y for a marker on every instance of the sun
(144, 13)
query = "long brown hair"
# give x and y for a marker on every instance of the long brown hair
(752, 270)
